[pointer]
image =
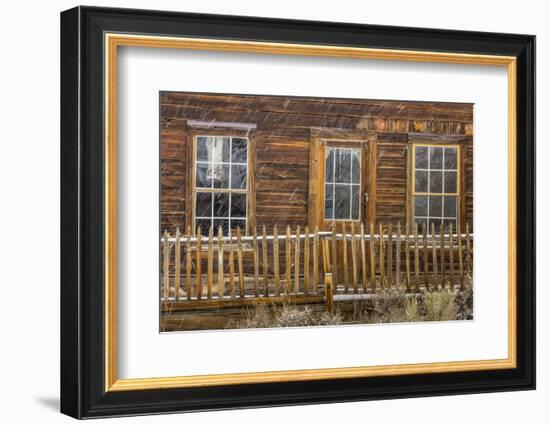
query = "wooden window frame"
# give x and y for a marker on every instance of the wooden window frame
(250, 191)
(437, 141)
(320, 139)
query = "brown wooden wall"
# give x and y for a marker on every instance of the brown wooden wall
(282, 139)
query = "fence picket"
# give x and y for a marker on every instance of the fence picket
(372, 258)
(460, 265)
(451, 255)
(240, 263)
(231, 265)
(389, 271)
(166, 266)
(334, 265)
(468, 251)
(425, 256)
(354, 259)
(276, 275)
(306, 261)
(210, 263)
(198, 264)
(177, 265)
(345, 258)
(297, 261)
(398, 256)
(315, 260)
(408, 258)
(442, 253)
(363, 259)
(265, 265)
(416, 258)
(256, 262)
(287, 260)
(434, 256)
(221, 286)
(381, 256)
(188, 265)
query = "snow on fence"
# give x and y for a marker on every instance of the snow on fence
(304, 266)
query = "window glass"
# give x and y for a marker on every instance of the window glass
(435, 188)
(342, 183)
(221, 174)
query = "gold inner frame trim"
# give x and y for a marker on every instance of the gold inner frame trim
(112, 41)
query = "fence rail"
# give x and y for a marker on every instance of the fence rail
(303, 266)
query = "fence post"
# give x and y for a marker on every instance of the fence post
(177, 266)
(329, 305)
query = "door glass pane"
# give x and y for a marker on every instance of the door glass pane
(342, 166)
(342, 202)
(356, 166)
(355, 202)
(329, 166)
(329, 196)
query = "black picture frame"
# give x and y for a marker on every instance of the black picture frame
(82, 218)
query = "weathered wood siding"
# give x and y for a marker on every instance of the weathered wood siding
(282, 141)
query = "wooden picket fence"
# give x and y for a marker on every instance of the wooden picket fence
(304, 267)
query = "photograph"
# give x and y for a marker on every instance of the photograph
(286, 211)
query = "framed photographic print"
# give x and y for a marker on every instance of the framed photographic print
(261, 212)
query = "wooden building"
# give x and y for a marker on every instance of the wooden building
(243, 160)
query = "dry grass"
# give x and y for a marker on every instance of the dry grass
(392, 305)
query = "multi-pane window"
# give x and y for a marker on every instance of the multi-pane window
(221, 171)
(342, 183)
(435, 185)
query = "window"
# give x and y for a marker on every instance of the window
(221, 171)
(342, 183)
(435, 185)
